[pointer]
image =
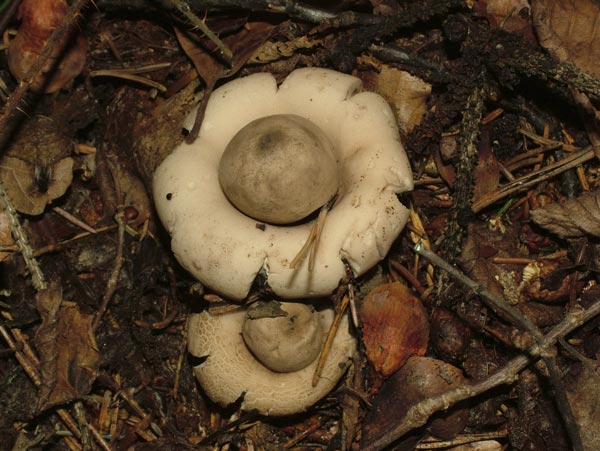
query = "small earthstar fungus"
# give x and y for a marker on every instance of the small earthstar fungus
(268, 362)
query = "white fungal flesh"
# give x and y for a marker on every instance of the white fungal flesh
(230, 370)
(225, 249)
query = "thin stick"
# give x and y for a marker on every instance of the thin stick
(37, 277)
(78, 222)
(549, 354)
(302, 435)
(329, 341)
(99, 439)
(55, 247)
(185, 9)
(529, 180)
(111, 286)
(115, 73)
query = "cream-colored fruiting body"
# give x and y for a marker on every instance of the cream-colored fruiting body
(285, 343)
(279, 169)
(231, 370)
(225, 249)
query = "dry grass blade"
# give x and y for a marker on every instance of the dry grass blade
(329, 340)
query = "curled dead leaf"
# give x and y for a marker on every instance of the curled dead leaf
(406, 93)
(509, 15)
(569, 30)
(69, 355)
(36, 167)
(395, 326)
(548, 282)
(30, 187)
(573, 218)
(39, 18)
(420, 378)
(583, 392)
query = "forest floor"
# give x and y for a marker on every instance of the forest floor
(491, 287)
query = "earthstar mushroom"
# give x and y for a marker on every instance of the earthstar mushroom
(225, 248)
(232, 370)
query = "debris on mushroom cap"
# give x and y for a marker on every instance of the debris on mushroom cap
(285, 343)
(231, 371)
(225, 249)
(279, 169)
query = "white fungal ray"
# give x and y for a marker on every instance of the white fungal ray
(225, 249)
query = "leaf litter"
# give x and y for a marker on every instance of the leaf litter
(93, 354)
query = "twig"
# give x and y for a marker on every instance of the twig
(305, 433)
(319, 224)
(99, 439)
(139, 411)
(533, 178)
(301, 255)
(37, 277)
(111, 286)
(469, 132)
(418, 414)
(541, 65)
(76, 221)
(86, 436)
(428, 70)
(184, 8)
(548, 353)
(55, 247)
(126, 75)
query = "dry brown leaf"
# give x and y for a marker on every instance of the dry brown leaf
(36, 167)
(395, 326)
(420, 378)
(583, 393)
(69, 356)
(569, 30)
(572, 219)
(39, 18)
(481, 245)
(30, 187)
(509, 15)
(242, 43)
(407, 94)
(273, 51)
